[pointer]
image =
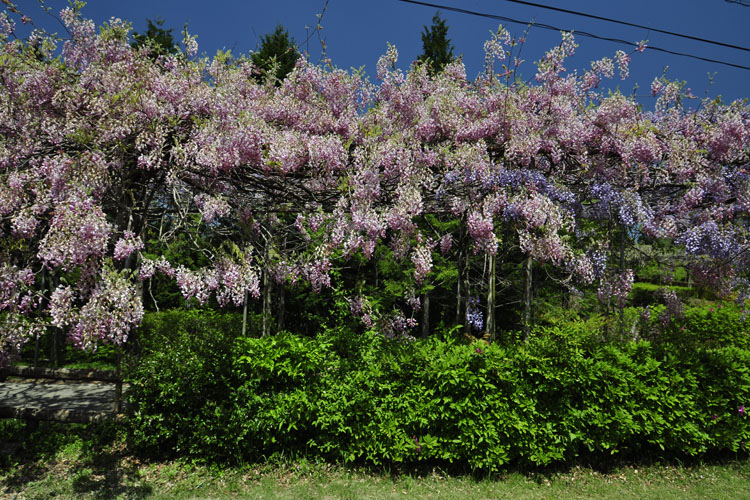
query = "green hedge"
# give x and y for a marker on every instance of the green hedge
(643, 294)
(360, 397)
(180, 374)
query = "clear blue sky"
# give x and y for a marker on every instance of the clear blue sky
(356, 32)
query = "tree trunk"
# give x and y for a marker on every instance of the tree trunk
(53, 348)
(266, 290)
(527, 300)
(461, 289)
(57, 337)
(464, 276)
(118, 382)
(266, 303)
(244, 314)
(57, 350)
(458, 290)
(282, 304)
(622, 270)
(490, 332)
(41, 306)
(426, 315)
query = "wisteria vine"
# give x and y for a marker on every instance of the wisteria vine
(102, 143)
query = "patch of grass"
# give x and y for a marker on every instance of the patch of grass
(91, 461)
(53, 460)
(663, 482)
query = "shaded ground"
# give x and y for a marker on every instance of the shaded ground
(92, 461)
(48, 393)
(57, 400)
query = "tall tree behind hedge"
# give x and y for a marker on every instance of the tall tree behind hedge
(159, 40)
(277, 54)
(437, 49)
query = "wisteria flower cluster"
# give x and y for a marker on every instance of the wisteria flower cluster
(108, 150)
(474, 315)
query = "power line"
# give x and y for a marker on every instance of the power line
(581, 33)
(625, 23)
(744, 3)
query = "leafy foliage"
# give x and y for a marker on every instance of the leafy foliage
(160, 41)
(364, 398)
(180, 379)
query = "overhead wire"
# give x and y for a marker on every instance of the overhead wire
(576, 32)
(625, 23)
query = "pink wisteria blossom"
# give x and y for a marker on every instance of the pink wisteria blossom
(110, 156)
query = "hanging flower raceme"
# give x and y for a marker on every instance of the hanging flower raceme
(108, 314)
(78, 230)
(114, 158)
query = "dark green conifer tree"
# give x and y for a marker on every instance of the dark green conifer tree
(437, 50)
(277, 54)
(158, 39)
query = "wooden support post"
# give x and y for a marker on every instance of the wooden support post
(266, 303)
(527, 300)
(622, 270)
(491, 301)
(244, 314)
(118, 382)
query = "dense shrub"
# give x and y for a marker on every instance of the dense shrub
(644, 294)
(180, 378)
(361, 397)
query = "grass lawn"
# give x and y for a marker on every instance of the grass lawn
(56, 461)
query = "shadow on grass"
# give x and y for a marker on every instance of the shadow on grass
(601, 463)
(90, 458)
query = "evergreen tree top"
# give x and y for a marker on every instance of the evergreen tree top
(159, 40)
(277, 54)
(437, 50)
